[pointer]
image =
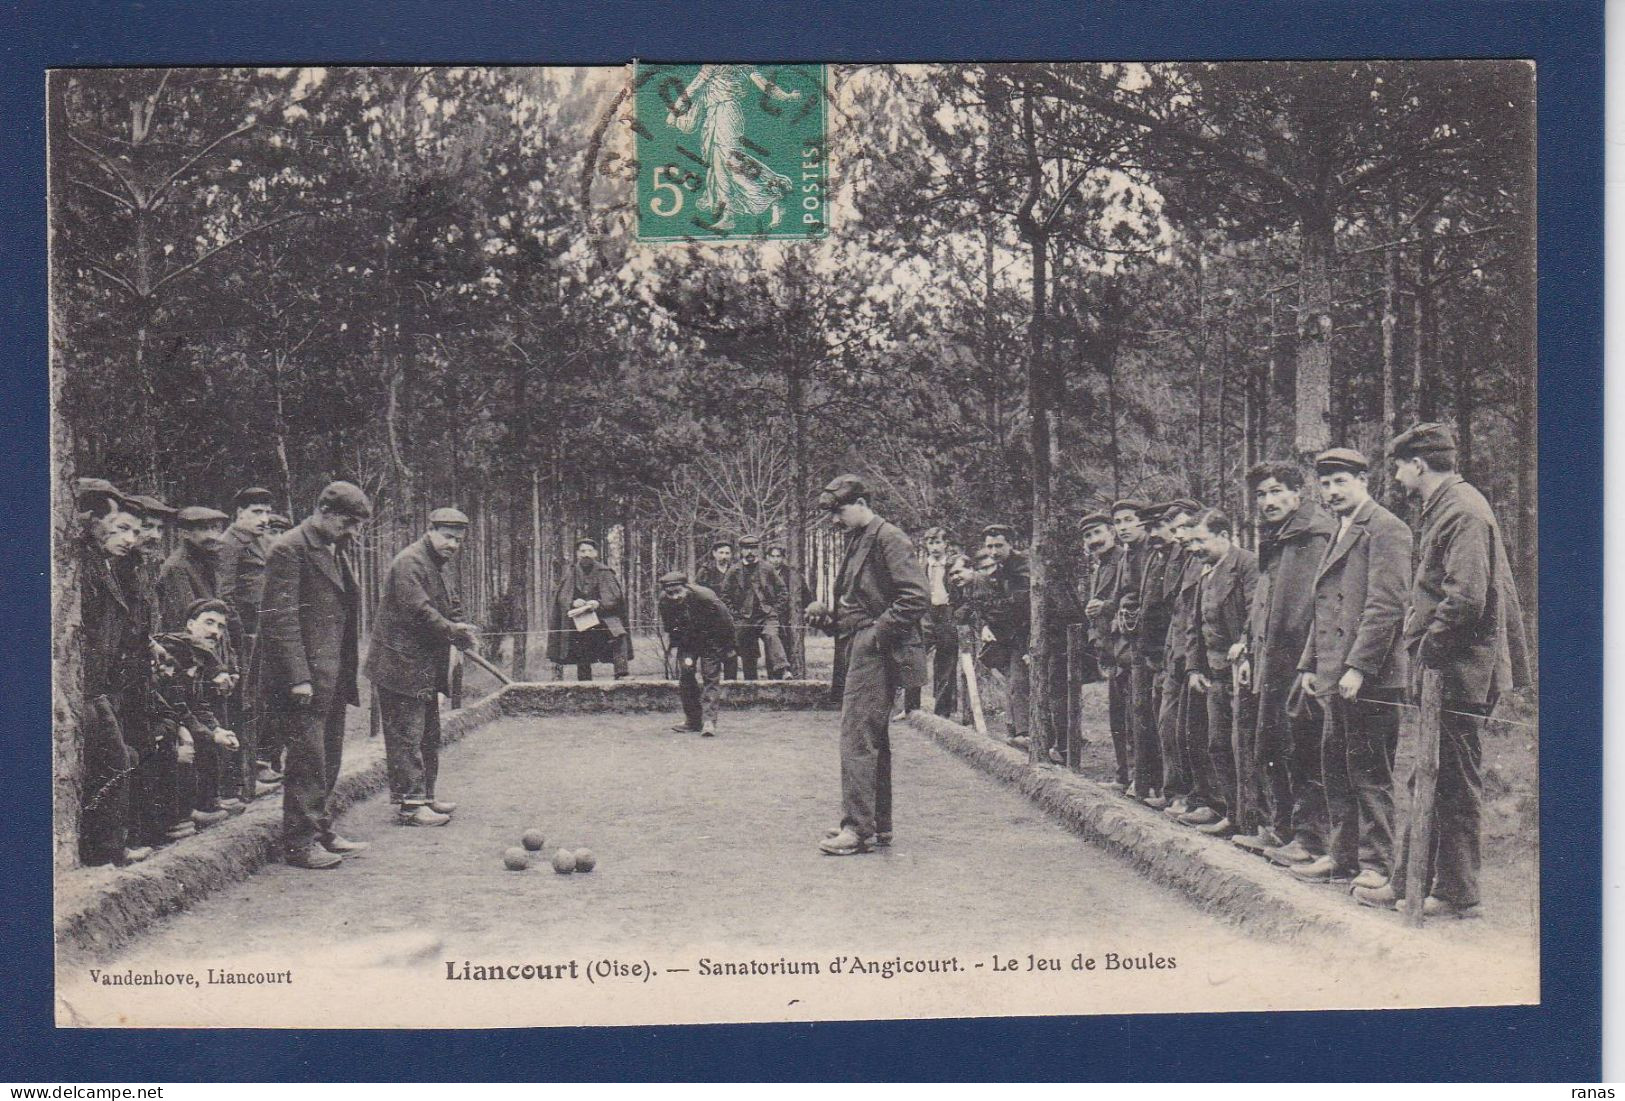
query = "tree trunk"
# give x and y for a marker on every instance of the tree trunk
(1312, 401)
(1462, 391)
(797, 518)
(1219, 475)
(1423, 400)
(1040, 428)
(67, 681)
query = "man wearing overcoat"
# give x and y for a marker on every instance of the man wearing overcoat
(590, 586)
(241, 576)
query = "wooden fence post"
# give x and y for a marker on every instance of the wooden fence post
(1427, 780)
(1076, 642)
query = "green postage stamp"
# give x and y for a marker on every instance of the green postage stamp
(731, 152)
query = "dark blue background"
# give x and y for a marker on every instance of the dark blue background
(1559, 1040)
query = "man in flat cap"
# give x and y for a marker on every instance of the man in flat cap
(1464, 622)
(713, 574)
(419, 619)
(1354, 664)
(940, 628)
(191, 572)
(1173, 688)
(880, 598)
(1002, 599)
(702, 632)
(591, 590)
(797, 594)
(276, 524)
(307, 662)
(1294, 533)
(114, 648)
(1100, 611)
(242, 582)
(753, 593)
(1150, 637)
(1133, 547)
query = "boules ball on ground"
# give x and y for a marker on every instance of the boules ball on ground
(564, 862)
(515, 859)
(533, 840)
(585, 860)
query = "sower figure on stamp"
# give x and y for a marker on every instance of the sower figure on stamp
(1465, 622)
(1004, 605)
(880, 598)
(703, 634)
(587, 626)
(307, 664)
(242, 583)
(1294, 533)
(1173, 685)
(941, 632)
(1354, 664)
(114, 647)
(419, 620)
(1214, 637)
(1100, 609)
(713, 575)
(754, 593)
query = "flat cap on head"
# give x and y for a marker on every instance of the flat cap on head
(278, 520)
(153, 507)
(749, 541)
(586, 542)
(1181, 504)
(1341, 458)
(253, 495)
(1094, 520)
(1153, 512)
(1425, 438)
(1128, 504)
(92, 493)
(200, 514)
(1004, 531)
(205, 604)
(345, 498)
(842, 490)
(448, 517)
(674, 577)
(718, 543)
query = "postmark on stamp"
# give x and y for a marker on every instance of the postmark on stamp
(731, 152)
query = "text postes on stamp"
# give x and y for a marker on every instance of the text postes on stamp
(731, 152)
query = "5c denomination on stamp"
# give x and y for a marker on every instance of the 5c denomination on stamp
(731, 152)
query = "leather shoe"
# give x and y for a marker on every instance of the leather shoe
(1378, 898)
(684, 728)
(883, 839)
(442, 806)
(421, 815)
(845, 843)
(1221, 828)
(184, 828)
(1322, 869)
(1056, 757)
(233, 807)
(1201, 816)
(268, 775)
(1291, 853)
(314, 857)
(203, 819)
(133, 855)
(333, 843)
(1371, 878)
(1257, 842)
(262, 789)
(710, 731)
(1438, 907)
(1158, 802)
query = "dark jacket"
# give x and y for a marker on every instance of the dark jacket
(1285, 606)
(1003, 600)
(564, 643)
(1130, 571)
(1155, 607)
(309, 621)
(185, 576)
(241, 577)
(709, 576)
(1360, 591)
(700, 624)
(881, 577)
(412, 631)
(184, 691)
(753, 592)
(1218, 620)
(1179, 581)
(113, 641)
(1104, 582)
(1464, 617)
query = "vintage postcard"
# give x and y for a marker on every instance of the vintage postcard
(710, 542)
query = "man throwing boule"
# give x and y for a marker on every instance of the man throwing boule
(880, 599)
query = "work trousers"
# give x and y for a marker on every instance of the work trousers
(1289, 756)
(866, 701)
(1222, 746)
(1144, 680)
(411, 745)
(1177, 770)
(104, 805)
(943, 639)
(209, 763)
(1357, 764)
(164, 790)
(699, 685)
(315, 753)
(1458, 806)
(753, 638)
(1119, 708)
(1018, 692)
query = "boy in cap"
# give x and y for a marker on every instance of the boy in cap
(713, 574)
(419, 619)
(703, 632)
(306, 665)
(753, 593)
(880, 598)
(1465, 625)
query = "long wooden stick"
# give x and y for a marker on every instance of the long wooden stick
(967, 663)
(487, 666)
(1427, 781)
